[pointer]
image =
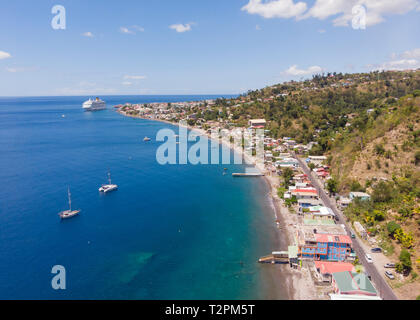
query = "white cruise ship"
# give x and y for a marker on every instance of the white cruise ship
(94, 105)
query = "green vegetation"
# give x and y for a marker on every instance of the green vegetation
(332, 185)
(280, 192)
(287, 177)
(404, 266)
(368, 125)
(392, 227)
(291, 201)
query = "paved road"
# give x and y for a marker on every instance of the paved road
(381, 285)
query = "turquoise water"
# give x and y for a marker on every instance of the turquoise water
(169, 232)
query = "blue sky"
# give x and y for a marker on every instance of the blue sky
(196, 47)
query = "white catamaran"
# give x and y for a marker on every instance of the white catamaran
(69, 213)
(108, 187)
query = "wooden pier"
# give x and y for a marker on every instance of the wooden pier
(275, 257)
(285, 257)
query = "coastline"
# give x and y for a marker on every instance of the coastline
(299, 283)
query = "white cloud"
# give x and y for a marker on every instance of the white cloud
(128, 77)
(126, 30)
(376, 10)
(88, 34)
(127, 83)
(94, 91)
(4, 55)
(138, 28)
(181, 27)
(340, 10)
(20, 69)
(295, 71)
(406, 60)
(411, 54)
(275, 8)
(131, 29)
(322, 31)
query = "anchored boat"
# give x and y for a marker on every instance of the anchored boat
(94, 105)
(69, 213)
(108, 187)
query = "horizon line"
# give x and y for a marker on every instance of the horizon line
(121, 95)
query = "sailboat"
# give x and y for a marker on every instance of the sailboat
(69, 213)
(108, 187)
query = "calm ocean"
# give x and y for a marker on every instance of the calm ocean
(169, 232)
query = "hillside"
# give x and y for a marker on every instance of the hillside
(368, 125)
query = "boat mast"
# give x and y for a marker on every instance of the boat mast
(109, 177)
(69, 194)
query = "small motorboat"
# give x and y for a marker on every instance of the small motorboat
(146, 139)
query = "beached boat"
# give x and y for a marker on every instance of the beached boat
(105, 188)
(69, 213)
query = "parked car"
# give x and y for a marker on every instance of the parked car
(389, 275)
(376, 250)
(389, 265)
(368, 276)
(352, 235)
(368, 258)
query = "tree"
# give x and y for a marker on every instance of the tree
(378, 215)
(406, 239)
(383, 192)
(332, 185)
(379, 149)
(356, 186)
(311, 166)
(392, 227)
(287, 176)
(417, 158)
(290, 201)
(405, 262)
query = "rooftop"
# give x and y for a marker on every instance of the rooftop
(338, 238)
(359, 194)
(307, 191)
(318, 222)
(352, 282)
(307, 232)
(313, 202)
(328, 267)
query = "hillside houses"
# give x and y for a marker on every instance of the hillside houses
(359, 195)
(316, 160)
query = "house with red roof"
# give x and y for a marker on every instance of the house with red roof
(324, 246)
(308, 193)
(325, 269)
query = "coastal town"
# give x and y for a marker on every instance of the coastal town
(331, 257)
